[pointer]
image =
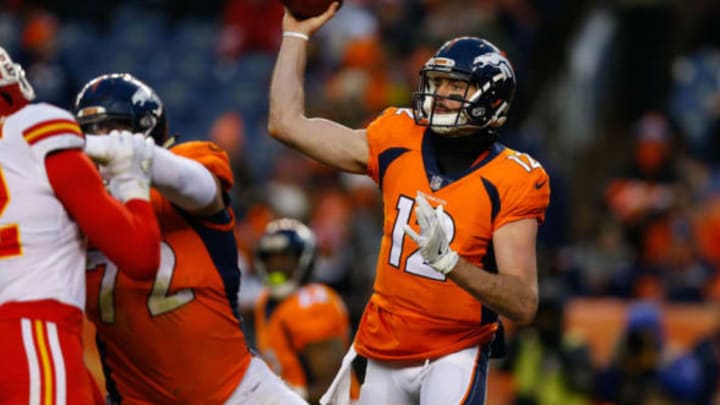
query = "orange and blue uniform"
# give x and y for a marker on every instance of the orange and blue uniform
(416, 313)
(178, 338)
(313, 313)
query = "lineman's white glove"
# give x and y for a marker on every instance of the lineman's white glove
(98, 148)
(126, 162)
(433, 243)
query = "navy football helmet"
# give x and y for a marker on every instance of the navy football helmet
(285, 256)
(488, 73)
(121, 101)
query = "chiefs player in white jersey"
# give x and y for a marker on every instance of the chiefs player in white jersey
(50, 195)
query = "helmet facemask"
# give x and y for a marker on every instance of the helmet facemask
(285, 256)
(426, 100)
(488, 94)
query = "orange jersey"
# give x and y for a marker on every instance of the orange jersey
(313, 313)
(415, 312)
(176, 339)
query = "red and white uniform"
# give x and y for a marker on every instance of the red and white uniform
(49, 191)
(42, 257)
(42, 251)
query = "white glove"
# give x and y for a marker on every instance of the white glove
(128, 159)
(98, 148)
(433, 243)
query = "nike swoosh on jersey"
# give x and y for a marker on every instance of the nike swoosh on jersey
(538, 186)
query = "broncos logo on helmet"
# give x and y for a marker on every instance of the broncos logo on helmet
(487, 98)
(285, 256)
(121, 101)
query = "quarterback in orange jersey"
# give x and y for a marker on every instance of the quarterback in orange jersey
(461, 213)
(302, 328)
(178, 338)
(46, 187)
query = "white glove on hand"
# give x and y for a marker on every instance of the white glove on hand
(433, 243)
(128, 160)
(98, 148)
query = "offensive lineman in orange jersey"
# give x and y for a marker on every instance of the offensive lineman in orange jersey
(432, 322)
(178, 338)
(302, 328)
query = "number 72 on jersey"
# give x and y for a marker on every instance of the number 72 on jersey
(159, 300)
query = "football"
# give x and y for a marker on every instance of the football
(302, 9)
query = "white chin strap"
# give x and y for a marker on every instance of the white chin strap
(445, 123)
(282, 290)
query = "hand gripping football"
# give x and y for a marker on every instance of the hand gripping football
(302, 9)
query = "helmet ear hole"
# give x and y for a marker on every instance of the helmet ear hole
(477, 112)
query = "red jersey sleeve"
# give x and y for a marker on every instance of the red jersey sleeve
(129, 235)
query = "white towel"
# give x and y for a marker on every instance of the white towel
(339, 391)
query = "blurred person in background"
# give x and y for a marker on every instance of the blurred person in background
(46, 187)
(228, 132)
(644, 369)
(302, 328)
(603, 265)
(47, 69)
(646, 188)
(432, 322)
(707, 355)
(549, 365)
(177, 338)
(249, 26)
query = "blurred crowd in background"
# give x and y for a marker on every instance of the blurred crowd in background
(619, 99)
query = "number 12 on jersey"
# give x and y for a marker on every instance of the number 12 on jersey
(415, 264)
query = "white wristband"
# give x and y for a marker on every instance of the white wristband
(296, 35)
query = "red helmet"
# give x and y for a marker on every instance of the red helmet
(15, 90)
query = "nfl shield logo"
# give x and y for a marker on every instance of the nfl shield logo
(435, 183)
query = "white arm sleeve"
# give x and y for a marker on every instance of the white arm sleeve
(183, 181)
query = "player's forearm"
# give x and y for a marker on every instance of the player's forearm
(183, 181)
(505, 294)
(139, 256)
(129, 236)
(287, 97)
